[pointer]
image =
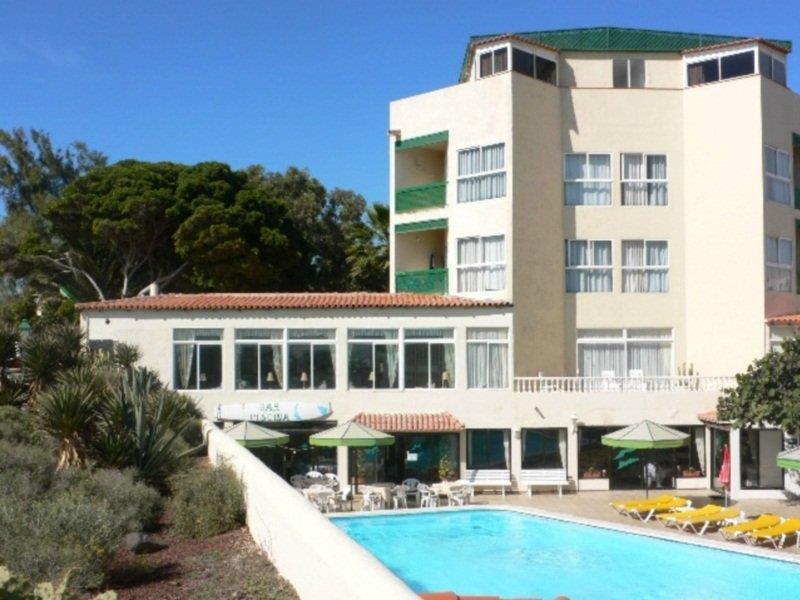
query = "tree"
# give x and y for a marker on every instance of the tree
(368, 250)
(768, 392)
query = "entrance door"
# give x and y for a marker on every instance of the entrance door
(720, 439)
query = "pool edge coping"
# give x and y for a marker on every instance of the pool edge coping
(665, 535)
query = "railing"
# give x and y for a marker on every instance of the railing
(416, 197)
(797, 196)
(427, 281)
(678, 383)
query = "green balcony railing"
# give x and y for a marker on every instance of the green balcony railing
(427, 281)
(416, 197)
(797, 197)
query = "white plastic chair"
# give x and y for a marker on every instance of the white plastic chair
(315, 475)
(412, 488)
(399, 499)
(427, 497)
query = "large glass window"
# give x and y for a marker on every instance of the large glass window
(533, 65)
(587, 179)
(482, 263)
(544, 448)
(644, 179)
(373, 359)
(758, 451)
(779, 260)
(778, 175)
(588, 265)
(488, 448)
(429, 358)
(736, 65)
(624, 352)
(259, 359)
(645, 266)
(493, 61)
(197, 359)
(481, 173)
(487, 358)
(312, 359)
(771, 67)
(628, 72)
(720, 67)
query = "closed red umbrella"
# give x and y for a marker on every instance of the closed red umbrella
(725, 471)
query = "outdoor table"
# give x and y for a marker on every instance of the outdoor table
(385, 491)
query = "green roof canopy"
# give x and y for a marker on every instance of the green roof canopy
(251, 435)
(353, 435)
(646, 435)
(789, 459)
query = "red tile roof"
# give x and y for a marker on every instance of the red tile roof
(711, 417)
(784, 320)
(288, 301)
(410, 422)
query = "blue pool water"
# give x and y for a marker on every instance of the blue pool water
(513, 555)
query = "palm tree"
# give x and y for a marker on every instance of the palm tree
(47, 351)
(368, 250)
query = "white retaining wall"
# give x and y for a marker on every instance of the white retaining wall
(318, 558)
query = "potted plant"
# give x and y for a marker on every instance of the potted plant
(592, 473)
(446, 469)
(691, 472)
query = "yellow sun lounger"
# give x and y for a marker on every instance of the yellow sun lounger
(677, 518)
(623, 507)
(776, 535)
(734, 532)
(645, 512)
(699, 524)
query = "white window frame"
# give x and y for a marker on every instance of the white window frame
(609, 181)
(645, 268)
(776, 177)
(541, 53)
(198, 343)
(263, 342)
(483, 266)
(430, 342)
(628, 71)
(487, 342)
(591, 266)
(312, 342)
(481, 174)
(624, 341)
(719, 56)
(646, 180)
(773, 59)
(491, 50)
(778, 265)
(373, 341)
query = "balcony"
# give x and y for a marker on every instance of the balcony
(678, 383)
(418, 197)
(426, 281)
(797, 197)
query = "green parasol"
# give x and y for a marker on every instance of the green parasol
(789, 459)
(251, 435)
(646, 435)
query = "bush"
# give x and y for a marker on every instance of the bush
(206, 502)
(25, 471)
(14, 587)
(20, 427)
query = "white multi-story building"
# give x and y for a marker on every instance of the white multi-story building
(592, 227)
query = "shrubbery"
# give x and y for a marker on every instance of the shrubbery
(206, 502)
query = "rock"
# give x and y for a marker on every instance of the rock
(141, 543)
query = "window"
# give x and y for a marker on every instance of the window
(481, 173)
(772, 68)
(429, 357)
(488, 448)
(481, 264)
(587, 179)
(628, 72)
(644, 179)
(645, 266)
(373, 359)
(494, 61)
(487, 358)
(259, 359)
(588, 266)
(312, 359)
(720, 67)
(544, 448)
(778, 335)
(197, 359)
(534, 65)
(625, 352)
(778, 176)
(759, 449)
(779, 254)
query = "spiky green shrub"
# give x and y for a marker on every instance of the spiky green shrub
(206, 502)
(47, 351)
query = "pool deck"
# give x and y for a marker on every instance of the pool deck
(595, 506)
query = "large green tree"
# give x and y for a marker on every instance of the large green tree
(768, 392)
(368, 250)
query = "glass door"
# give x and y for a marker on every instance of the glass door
(720, 440)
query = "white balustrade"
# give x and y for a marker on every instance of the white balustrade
(677, 383)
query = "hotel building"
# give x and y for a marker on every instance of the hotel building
(590, 228)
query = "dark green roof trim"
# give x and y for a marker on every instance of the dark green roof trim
(622, 39)
(423, 140)
(421, 226)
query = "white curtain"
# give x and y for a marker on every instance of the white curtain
(469, 254)
(699, 434)
(634, 190)
(498, 366)
(596, 357)
(657, 256)
(481, 160)
(494, 251)
(392, 362)
(277, 364)
(493, 157)
(657, 170)
(644, 266)
(487, 358)
(654, 358)
(469, 161)
(507, 446)
(562, 447)
(779, 254)
(633, 279)
(184, 354)
(582, 254)
(477, 365)
(450, 362)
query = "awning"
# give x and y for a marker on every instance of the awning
(793, 319)
(441, 422)
(710, 417)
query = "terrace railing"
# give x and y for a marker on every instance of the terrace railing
(677, 383)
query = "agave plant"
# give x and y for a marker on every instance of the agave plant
(126, 355)
(48, 351)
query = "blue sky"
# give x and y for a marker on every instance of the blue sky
(281, 83)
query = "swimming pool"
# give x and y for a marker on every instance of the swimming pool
(514, 554)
